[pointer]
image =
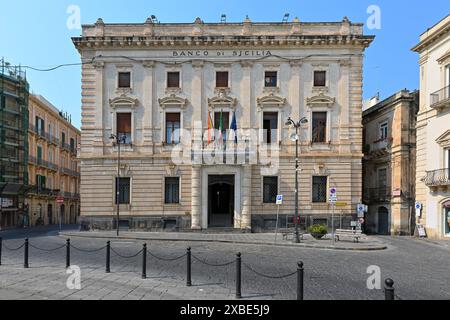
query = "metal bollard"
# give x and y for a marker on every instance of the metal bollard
(1, 244)
(108, 256)
(144, 261)
(188, 267)
(25, 254)
(67, 253)
(238, 276)
(389, 289)
(300, 272)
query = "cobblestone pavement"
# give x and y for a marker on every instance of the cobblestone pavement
(419, 269)
(364, 243)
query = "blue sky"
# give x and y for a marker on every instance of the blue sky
(35, 33)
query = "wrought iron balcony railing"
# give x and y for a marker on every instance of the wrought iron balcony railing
(440, 177)
(440, 98)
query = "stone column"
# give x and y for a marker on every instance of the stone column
(246, 217)
(196, 197)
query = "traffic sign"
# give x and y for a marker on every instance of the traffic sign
(279, 199)
(361, 220)
(60, 200)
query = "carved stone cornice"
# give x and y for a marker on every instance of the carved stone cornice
(123, 100)
(271, 100)
(183, 42)
(222, 99)
(320, 99)
(172, 100)
(196, 64)
(99, 64)
(444, 139)
(148, 64)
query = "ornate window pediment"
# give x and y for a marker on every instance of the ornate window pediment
(123, 100)
(444, 139)
(271, 100)
(172, 100)
(320, 99)
(222, 99)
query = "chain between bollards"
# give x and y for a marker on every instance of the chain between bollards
(300, 274)
(389, 290)
(238, 276)
(67, 253)
(144, 261)
(108, 256)
(188, 267)
(25, 254)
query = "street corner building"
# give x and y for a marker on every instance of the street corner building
(53, 175)
(184, 125)
(433, 131)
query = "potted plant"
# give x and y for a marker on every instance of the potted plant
(318, 231)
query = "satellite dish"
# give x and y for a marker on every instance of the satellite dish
(294, 137)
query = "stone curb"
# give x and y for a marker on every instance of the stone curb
(292, 245)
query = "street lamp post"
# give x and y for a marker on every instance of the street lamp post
(118, 141)
(296, 138)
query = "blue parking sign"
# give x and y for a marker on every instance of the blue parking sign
(279, 199)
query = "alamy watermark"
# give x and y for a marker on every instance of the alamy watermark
(74, 20)
(74, 280)
(374, 20)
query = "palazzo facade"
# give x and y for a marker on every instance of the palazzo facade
(201, 109)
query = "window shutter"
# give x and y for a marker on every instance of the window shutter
(320, 78)
(221, 79)
(173, 79)
(123, 122)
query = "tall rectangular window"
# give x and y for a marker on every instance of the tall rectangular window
(383, 131)
(40, 125)
(320, 78)
(40, 181)
(319, 127)
(270, 127)
(225, 123)
(124, 190)
(173, 79)
(173, 128)
(72, 144)
(63, 137)
(124, 126)
(319, 189)
(172, 190)
(124, 80)
(39, 154)
(270, 79)
(270, 189)
(222, 79)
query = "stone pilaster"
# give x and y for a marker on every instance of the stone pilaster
(196, 197)
(148, 106)
(246, 198)
(99, 99)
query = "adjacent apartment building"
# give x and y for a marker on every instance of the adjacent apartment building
(201, 111)
(389, 164)
(433, 130)
(14, 90)
(53, 171)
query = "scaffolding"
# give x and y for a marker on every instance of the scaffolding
(14, 91)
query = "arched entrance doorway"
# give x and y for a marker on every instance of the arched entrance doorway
(220, 201)
(50, 214)
(383, 221)
(447, 218)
